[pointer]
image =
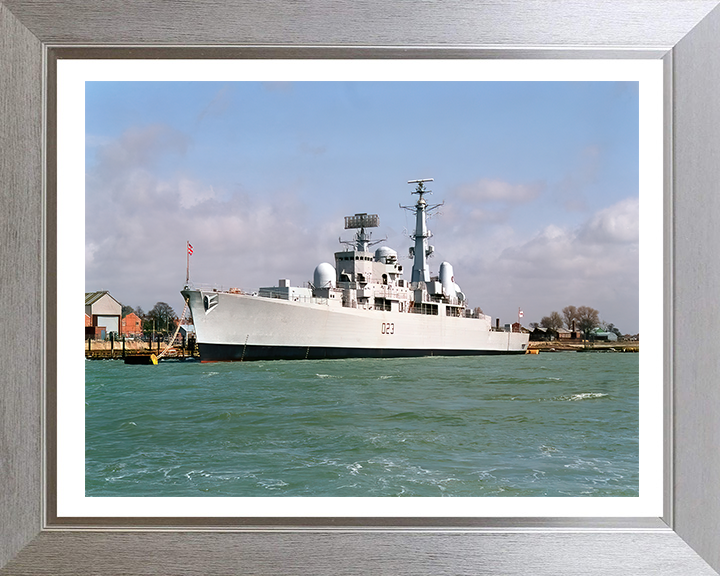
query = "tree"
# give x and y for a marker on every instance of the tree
(164, 318)
(588, 318)
(570, 314)
(610, 327)
(552, 322)
(126, 310)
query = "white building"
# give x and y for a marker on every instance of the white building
(104, 310)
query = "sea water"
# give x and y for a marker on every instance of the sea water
(553, 424)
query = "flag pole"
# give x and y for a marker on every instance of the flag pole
(187, 269)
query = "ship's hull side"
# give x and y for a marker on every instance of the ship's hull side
(241, 327)
(239, 353)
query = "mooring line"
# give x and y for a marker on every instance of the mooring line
(172, 341)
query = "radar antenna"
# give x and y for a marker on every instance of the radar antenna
(421, 186)
(362, 238)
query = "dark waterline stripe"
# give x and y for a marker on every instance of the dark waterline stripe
(240, 352)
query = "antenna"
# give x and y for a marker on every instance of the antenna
(362, 238)
(363, 220)
(420, 190)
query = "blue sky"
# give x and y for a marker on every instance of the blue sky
(539, 180)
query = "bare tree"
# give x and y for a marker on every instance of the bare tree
(588, 318)
(552, 322)
(570, 314)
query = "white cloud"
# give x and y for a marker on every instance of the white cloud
(140, 147)
(486, 190)
(91, 249)
(593, 264)
(137, 224)
(616, 224)
(192, 192)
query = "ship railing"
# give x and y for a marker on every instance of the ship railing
(216, 288)
(429, 308)
(278, 295)
(392, 293)
(266, 294)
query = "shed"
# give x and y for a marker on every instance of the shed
(540, 334)
(601, 336)
(187, 332)
(104, 310)
(563, 334)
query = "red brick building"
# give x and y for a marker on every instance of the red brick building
(131, 325)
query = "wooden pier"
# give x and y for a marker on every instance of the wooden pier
(117, 351)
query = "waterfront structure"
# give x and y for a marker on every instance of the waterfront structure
(104, 311)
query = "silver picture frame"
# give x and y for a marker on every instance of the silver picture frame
(684, 34)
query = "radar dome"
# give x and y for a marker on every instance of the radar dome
(386, 255)
(324, 276)
(447, 279)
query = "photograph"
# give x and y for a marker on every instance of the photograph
(362, 289)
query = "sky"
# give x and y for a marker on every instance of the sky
(539, 182)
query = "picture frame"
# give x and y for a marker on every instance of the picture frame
(684, 34)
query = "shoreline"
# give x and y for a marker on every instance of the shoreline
(579, 346)
(98, 349)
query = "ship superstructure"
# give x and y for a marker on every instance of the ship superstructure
(361, 306)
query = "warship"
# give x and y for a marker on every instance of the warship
(361, 306)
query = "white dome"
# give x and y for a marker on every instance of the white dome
(447, 279)
(324, 276)
(385, 254)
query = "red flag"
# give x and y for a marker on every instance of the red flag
(190, 249)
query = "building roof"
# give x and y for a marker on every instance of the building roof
(92, 297)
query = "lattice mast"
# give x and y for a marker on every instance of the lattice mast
(422, 250)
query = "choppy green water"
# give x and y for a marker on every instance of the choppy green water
(563, 424)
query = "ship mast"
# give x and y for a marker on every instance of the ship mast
(421, 250)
